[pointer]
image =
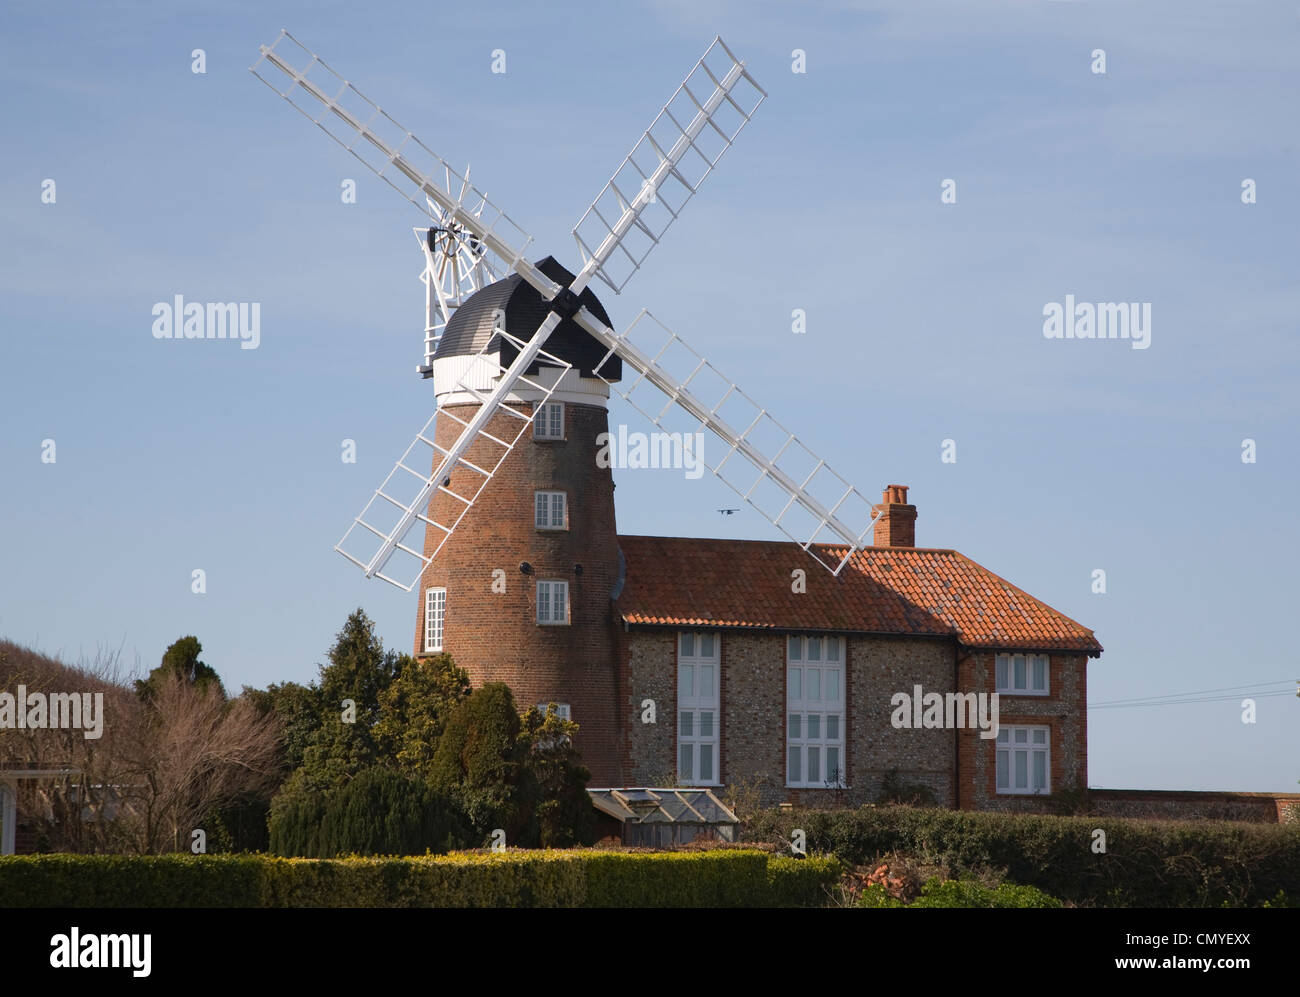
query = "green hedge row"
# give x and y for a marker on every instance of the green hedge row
(569, 878)
(1147, 863)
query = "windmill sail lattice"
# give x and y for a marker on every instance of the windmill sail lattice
(666, 167)
(395, 518)
(391, 152)
(762, 461)
(615, 235)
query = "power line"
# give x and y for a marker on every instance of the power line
(1199, 692)
(1204, 696)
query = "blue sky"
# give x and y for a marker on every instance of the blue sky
(924, 319)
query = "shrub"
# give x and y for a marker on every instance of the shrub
(876, 895)
(294, 823)
(565, 816)
(960, 893)
(805, 882)
(1147, 862)
(897, 790)
(379, 812)
(481, 761)
(968, 893)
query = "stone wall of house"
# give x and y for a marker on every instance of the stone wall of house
(882, 667)
(752, 703)
(950, 767)
(648, 671)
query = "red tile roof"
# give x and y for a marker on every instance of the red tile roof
(678, 581)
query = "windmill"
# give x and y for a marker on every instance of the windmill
(472, 241)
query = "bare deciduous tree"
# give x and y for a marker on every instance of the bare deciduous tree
(191, 753)
(159, 770)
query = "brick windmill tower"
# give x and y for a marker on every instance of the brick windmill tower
(511, 537)
(520, 592)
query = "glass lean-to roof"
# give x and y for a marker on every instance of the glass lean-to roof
(650, 806)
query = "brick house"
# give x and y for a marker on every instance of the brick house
(758, 664)
(795, 690)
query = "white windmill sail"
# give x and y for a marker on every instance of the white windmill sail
(394, 520)
(416, 172)
(624, 223)
(761, 461)
(666, 167)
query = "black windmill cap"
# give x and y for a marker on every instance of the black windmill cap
(472, 325)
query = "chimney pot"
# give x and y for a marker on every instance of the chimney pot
(896, 526)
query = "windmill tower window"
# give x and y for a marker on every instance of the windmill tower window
(550, 511)
(435, 614)
(698, 681)
(549, 422)
(552, 603)
(562, 711)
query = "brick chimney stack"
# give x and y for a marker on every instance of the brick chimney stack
(896, 526)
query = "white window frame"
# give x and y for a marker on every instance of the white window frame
(1030, 743)
(546, 504)
(699, 706)
(814, 724)
(8, 817)
(548, 422)
(435, 619)
(550, 587)
(1007, 672)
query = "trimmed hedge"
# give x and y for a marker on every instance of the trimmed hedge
(1147, 863)
(730, 878)
(62, 880)
(804, 882)
(570, 878)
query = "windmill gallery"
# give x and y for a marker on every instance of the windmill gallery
(755, 681)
